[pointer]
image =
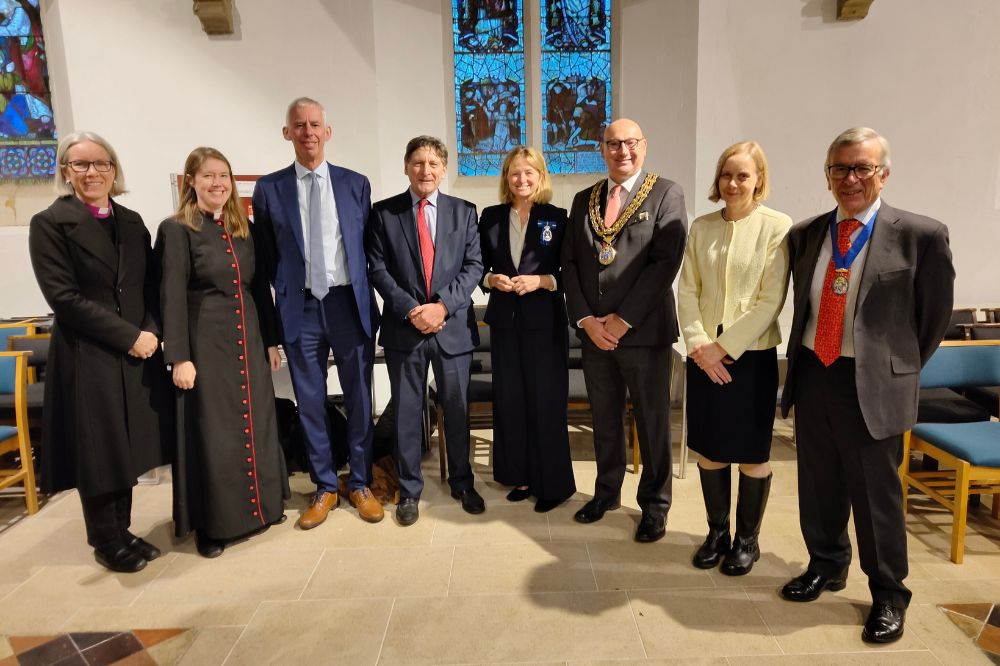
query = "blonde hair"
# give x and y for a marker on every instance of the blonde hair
(190, 215)
(535, 159)
(756, 153)
(62, 186)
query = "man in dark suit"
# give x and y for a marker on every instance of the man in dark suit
(622, 250)
(424, 260)
(310, 219)
(868, 314)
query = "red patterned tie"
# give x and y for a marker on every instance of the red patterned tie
(614, 206)
(426, 245)
(830, 320)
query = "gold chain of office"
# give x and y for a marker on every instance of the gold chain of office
(609, 234)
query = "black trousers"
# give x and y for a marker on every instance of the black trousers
(644, 372)
(107, 518)
(530, 389)
(842, 468)
(407, 378)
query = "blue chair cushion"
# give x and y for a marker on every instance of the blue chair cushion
(977, 443)
(6, 432)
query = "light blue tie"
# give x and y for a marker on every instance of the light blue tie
(317, 261)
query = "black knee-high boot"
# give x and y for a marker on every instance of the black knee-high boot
(716, 489)
(750, 507)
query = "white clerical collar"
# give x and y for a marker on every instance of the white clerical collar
(628, 184)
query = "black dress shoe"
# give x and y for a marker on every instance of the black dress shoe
(280, 519)
(145, 549)
(809, 585)
(884, 623)
(518, 494)
(595, 509)
(651, 528)
(407, 511)
(472, 502)
(209, 548)
(544, 506)
(123, 560)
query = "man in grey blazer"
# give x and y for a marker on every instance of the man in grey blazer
(622, 249)
(867, 317)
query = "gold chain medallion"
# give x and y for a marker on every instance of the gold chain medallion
(610, 234)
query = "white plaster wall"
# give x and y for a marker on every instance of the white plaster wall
(697, 74)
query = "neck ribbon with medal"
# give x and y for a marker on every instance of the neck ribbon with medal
(842, 264)
(608, 235)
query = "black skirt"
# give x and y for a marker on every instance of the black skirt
(733, 423)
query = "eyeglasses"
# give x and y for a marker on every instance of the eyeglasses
(614, 144)
(83, 166)
(862, 171)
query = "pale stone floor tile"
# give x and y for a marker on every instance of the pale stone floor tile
(85, 585)
(699, 623)
(211, 646)
(879, 658)
(939, 634)
(499, 524)
(306, 634)
(665, 564)
(707, 661)
(511, 628)
(170, 651)
(34, 618)
(235, 576)
(42, 541)
(195, 613)
(617, 525)
(524, 568)
(5, 649)
(401, 572)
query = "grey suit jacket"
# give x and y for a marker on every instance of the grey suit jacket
(637, 285)
(903, 308)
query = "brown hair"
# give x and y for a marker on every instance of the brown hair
(188, 212)
(425, 141)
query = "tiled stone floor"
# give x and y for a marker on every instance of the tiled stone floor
(508, 586)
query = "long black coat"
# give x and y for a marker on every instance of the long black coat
(102, 424)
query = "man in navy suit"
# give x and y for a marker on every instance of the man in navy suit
(310, 219)
(424, 260)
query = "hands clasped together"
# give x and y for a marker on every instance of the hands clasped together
(429, 317)
(713, 359)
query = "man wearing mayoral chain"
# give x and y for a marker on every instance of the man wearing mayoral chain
(622, 250)
(873, 296)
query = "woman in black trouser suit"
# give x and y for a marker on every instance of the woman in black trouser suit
(520, 240)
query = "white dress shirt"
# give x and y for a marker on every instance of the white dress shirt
(430, 212)
(333, 241)
(516, 234)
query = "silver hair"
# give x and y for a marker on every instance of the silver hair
(62, 184)
(857, 135)
(303, 101)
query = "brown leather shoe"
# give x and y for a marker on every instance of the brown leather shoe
(322, 504)
(368, 507)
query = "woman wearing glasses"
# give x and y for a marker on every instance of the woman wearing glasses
(220, 335)
(105, 381)
(732, 287)
(529, 334)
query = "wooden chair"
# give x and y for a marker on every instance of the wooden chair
(968, 452)
(15, 328)
(14, 380)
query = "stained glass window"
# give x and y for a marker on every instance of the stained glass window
(27, 129)
(489, 82)
(576, 82)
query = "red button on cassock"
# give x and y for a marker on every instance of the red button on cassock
(239, 342)
(225, 236)
(237, 310)
(244, 402)
(246, 446)
(241, 358)
(235, 282)
(255, 513)
(232, 265)
(245, 416)
(228, 251)
(250, 474)
(253, 501)
(243, 372)
(248, 460)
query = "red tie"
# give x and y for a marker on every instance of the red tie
(830, 321)
(614, 206)
(426, 245)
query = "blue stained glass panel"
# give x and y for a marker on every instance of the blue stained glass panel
(489, 82)
(576, 83)
(27, 126)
